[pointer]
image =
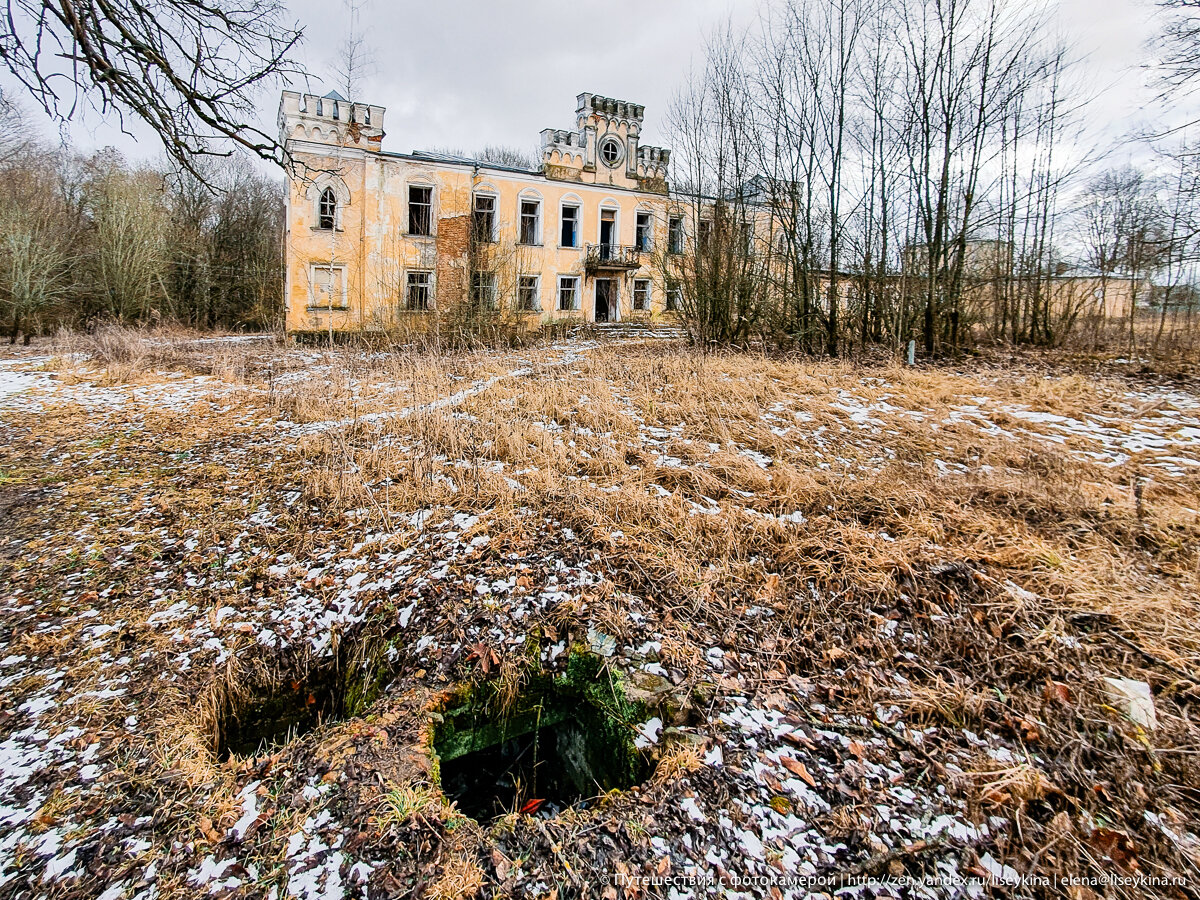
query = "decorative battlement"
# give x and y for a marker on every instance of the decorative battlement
(604, 148)
(590, 106)
(330, 119)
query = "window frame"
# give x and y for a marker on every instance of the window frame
(537, 221)
(676, 235)
(674, 290)
(638, 230)
(408, 286)
(418, 186)
(536, 301)
(646, 285)
(578, 207)
(329, 192)
(576, 293)
(478, 279)
(492, 233)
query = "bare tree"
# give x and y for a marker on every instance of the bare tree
(188, 70)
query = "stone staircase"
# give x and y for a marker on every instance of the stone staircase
(633, 331)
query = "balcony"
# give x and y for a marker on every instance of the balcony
(610, 257)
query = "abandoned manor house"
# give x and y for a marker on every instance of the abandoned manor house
(376, 239)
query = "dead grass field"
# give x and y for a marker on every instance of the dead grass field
(872, 608)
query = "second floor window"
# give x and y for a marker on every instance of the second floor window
(420, 210)
(675, 235)
(570, 226)
(327, 210)
(417, 290)
(641, 236)
(484, 222)
(704, 236)
(531, 213)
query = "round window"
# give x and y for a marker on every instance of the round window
(610, 151)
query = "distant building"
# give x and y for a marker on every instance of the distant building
(376, 238)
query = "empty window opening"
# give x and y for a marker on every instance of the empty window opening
(484, 221)
(704, 236)
(420, 210)
(570, 226)
(531, 214)
(557, 746)
(568, 292)
(675, 235)
(527, 293)
(336, 113)
(418, 290)
(327, 210)
(641, 294)
(641, 236)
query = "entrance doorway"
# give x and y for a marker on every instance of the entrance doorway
(606, 300)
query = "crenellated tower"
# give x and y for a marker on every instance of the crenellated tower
(605, 147)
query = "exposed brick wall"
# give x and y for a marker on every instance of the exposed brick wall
(452, 245)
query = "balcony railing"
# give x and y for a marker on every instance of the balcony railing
(598, 257)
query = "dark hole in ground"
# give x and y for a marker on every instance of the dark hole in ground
(261, 719)
(563, 741)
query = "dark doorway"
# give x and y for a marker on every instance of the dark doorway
(605, 295)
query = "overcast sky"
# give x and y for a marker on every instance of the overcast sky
(465, 73)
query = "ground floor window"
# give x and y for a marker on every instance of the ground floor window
(641, 293)
(527, 293)
(568, 292)
(418, 290)
(328, 287)
(483, 290)
(674, 296)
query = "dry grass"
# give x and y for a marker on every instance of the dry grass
(716, 486)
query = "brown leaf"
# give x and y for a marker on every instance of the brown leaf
(857, 749)
(798, 769)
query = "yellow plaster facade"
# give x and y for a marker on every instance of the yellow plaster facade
(378, 239)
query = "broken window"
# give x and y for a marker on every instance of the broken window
(531, 214)
(418, 290)
(570, 226)
(366, 115)
(641, 235)
(568, 292)
(641, 293)
(675, 234)
(420, 210)
(483, 290)
(335, 110)
(327, 210)
(484, 222)
(527, 293)
(328, 287)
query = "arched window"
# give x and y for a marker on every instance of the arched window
(327, 210)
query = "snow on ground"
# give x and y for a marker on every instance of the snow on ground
(185, 602)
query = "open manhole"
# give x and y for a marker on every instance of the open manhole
(262, 714)
(562, 741)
